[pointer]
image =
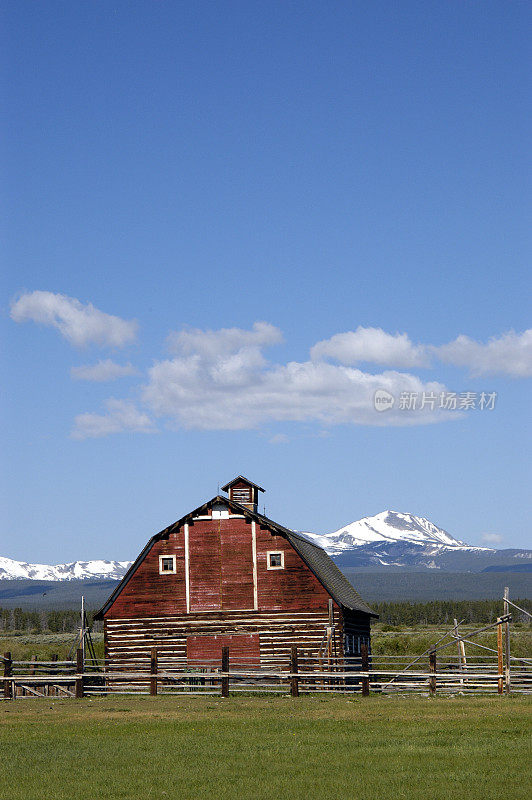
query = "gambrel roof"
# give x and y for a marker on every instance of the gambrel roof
(315, 557)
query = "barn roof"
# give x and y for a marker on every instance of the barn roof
(314, 556)
(240, 478)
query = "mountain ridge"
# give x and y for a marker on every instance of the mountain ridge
(390, 539)
(76, 570)
(389, 527)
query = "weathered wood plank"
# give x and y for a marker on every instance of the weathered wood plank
(225, 668)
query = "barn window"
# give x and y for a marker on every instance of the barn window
(275, 559)
(167, 565)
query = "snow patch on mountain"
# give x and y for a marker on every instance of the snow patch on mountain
(77, 570)
(391, 527)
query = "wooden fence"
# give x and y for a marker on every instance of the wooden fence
(299, 675)
(437, 670)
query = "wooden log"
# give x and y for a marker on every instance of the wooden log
(294, 680)
(365, 668)
(225, 668)
(153, 672)
(79, 673)
(53, 689)
(507, 638)
(500, 682)
(432, 669)
(8, 672)
(32, 669)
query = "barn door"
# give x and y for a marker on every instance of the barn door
(237, 569)
(205, 569)
(221, 570)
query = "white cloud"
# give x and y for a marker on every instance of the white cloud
(212, 345)
(106, 370)
(509, 354)
(491, 538)
(79, 324)
(279, 438)
(371, 345)
(122, 415)
(222, 381)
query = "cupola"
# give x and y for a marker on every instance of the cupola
(242, 491)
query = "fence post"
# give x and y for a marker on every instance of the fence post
(8, 672)
(79, 673)
(225, 668)
(507, 638)
(500, 666)
(153, 672)
(432, 668)
(294, 668)
(365, 668)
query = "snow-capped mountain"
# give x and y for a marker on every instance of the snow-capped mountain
(394, 539)
(80, 570)
(389, 539)
(388, 526)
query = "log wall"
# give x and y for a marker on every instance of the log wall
(130, 640)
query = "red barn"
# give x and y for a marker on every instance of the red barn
(226, 575)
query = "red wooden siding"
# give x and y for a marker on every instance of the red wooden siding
(149, 594)
(244, 649)
(295, 587)
(220, 575)
(237, 565)
(221, 565)
(205, 568)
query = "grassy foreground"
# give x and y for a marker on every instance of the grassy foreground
(254, 748)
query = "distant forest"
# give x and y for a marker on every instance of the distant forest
(17, 619)
(435, 612)
(442, 612)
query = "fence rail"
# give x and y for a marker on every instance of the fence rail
(385, 674)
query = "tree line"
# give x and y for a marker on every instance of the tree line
(435, 612)
(17, 619)
(442, 612)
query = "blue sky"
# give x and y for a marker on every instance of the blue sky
(226, 226)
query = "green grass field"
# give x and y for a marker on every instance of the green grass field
(260, 748)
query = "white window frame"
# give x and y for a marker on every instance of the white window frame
(167, 571)
(274, 553)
